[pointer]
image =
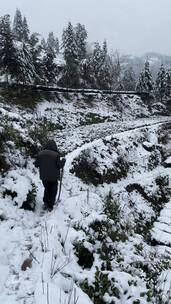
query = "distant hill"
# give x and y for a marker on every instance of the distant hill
(155, 59)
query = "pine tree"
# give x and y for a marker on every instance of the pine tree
(98, 70)
(49, 68)
(128, 80)
(25, 67)
(36, 54)
(87, 78)
(98, 57)
(26, 31)
(8, 55)
(18, 26)
(117, 71)
(71, 71)
(81, 41)
(145, 81)
(95, 62)
(141, 85)
(69, 44)
(56, 46)
(148, 79)
(104, 49)
(51, 45)
(51, 48)
(43, 44)
(168, 83)
(161, 82)
(105, 75)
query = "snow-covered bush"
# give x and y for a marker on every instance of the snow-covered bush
(85, 256)
(87, 167)
(30, 202)
(101, 286)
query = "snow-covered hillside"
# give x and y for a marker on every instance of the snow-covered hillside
(108, 240)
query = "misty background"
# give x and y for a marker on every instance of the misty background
(130, 26)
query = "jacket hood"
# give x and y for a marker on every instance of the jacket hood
(51, 145)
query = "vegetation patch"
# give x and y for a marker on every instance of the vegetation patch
(4, 165)
(85, 256)
(157, 199)
(87, 168)
(10, 193)
(30, 202)
(93, 118)
(40, 132)
(102, 285)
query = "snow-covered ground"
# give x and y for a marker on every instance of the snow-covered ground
(106, 242)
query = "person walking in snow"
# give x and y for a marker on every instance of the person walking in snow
(49, 163)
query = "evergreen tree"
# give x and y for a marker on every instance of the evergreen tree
(69, 44)
(168, 83)
(141, 85)
(43, 44)
(145, 81)
(26, 31)
(56, 46)
(51, 49)
(161, 82)
(104, 49)
(18, 26)
(8, 55)
(128, 80)
(87, 78)
(98, 70)
(36, 54)
(96, 60)
(25, 67)
(117, 71)
(98, 57)
(81, 41)
(51, 44)
(105, 76)
(148, 77)
(71, 71)
(49, 68)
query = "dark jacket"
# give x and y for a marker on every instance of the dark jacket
(49, 163)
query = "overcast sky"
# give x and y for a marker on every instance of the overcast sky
(130, 26)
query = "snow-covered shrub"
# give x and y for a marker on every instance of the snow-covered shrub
(101, 286)
(4, 165)
(85, 169)
(163, 134)
(88, 168)
(85, 256)
(159, 109)
(93, 118)
(157, 197)
(154, 159)
(30, 202)
(40, 132)
(8, 192)
(13, 135)
(112, 208)
(152, 268)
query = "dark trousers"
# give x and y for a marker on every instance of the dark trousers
(50, 192)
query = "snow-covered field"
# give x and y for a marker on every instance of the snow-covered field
(108, 240)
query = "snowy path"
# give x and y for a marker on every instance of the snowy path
(69, 139)
(48, 240)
